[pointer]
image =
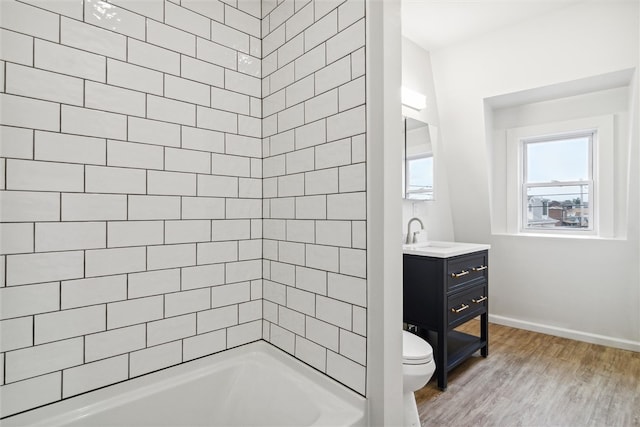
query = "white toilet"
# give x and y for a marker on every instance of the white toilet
(417, 368)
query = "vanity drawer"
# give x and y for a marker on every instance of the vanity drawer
(467, 304)
(466, 269)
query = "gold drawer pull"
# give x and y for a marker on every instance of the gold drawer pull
(458, 310)
(462, 273)
(482, 267)
(479, 300)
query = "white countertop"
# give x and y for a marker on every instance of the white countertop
(443, 249)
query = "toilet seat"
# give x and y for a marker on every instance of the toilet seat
(415, 350)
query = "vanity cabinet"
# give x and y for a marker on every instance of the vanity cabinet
(441, 294)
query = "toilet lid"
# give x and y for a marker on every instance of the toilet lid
(415, 350)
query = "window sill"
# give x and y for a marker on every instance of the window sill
(560, 236)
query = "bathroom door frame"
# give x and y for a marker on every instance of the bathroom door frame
(384, 213)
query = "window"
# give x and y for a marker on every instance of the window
(558, 182)
(557, 178)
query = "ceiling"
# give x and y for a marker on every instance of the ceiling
(434, 24)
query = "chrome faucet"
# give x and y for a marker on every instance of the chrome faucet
(411, 238)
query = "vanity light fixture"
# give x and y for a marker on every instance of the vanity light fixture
(413, 99)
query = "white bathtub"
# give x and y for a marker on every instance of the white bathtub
(252, 385)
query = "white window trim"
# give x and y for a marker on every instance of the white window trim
(603, 175)
(593, 221)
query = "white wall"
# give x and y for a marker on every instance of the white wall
(587, 289)
(435, 214)
(314, 188)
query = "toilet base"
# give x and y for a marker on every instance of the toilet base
(411, 417)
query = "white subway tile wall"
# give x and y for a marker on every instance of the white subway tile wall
(142, 146)
(112, 183)
(314, 186)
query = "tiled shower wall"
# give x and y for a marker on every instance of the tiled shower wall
(132, 193)
(315, 288)
(132, 216)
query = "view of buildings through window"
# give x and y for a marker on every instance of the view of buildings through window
(420, 176)
(558, 182)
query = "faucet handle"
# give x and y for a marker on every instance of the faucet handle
(414, 239)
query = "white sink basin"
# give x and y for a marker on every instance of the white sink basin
(443, 249)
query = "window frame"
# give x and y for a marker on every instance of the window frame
(507, 192)
(592, 135)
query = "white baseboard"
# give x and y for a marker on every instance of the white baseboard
(566, 333)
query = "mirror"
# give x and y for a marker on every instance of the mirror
(418, 164)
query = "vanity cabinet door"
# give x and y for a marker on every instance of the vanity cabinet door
(466, 305)
(466, 270)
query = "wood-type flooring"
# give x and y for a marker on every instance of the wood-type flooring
(532, 379)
